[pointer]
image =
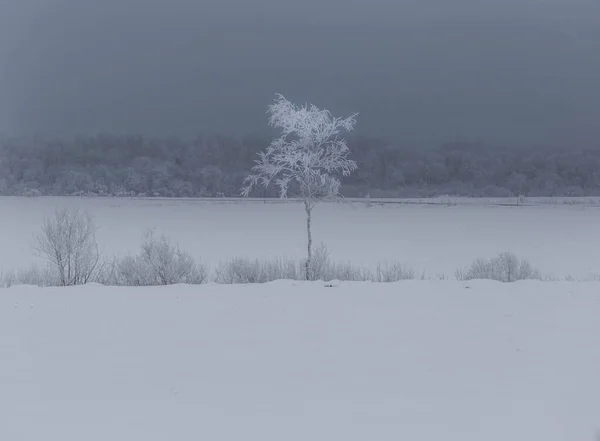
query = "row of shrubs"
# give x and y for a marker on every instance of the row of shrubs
(68, 244)
(160, 262)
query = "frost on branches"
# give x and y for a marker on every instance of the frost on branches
(306, 155)
(305, 158)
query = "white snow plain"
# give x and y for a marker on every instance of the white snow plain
(560, 240)
(415, 360)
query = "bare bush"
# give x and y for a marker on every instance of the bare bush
(345, 271)
(389, 272)
(244, 270)
(38, 276)
(319, 265)
(108, 272)
(504, 268)
(323, 268)
(159, 262)
(132, 271)
(68, 242)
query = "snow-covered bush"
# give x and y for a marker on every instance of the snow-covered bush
(68, 242)
(305, 158)
(159, 262)
(504, 268)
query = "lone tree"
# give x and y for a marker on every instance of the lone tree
(305, 158)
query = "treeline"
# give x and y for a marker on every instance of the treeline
(213, 166)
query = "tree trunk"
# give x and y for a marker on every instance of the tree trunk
(308, 210)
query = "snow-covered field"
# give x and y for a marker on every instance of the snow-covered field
(561, 240)
(415, 360)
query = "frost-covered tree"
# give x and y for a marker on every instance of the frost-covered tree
(306, 157)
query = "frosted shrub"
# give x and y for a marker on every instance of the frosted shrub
(68, 242)
(159, 262)
(38, 276)
(323, 268)
(108, 273)
(319, 265)
(345, 271)
(504, 268)
(133, 271)
(244, 270)
(393, 272)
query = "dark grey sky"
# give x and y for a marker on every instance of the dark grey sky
(423, 71)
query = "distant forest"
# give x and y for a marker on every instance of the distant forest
(215, 166)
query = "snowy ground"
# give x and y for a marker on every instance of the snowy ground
(418, 360)
(561, 240)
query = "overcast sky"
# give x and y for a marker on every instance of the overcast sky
(422, 71)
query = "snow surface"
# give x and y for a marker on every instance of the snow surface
(561, 240)
(416, 360)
